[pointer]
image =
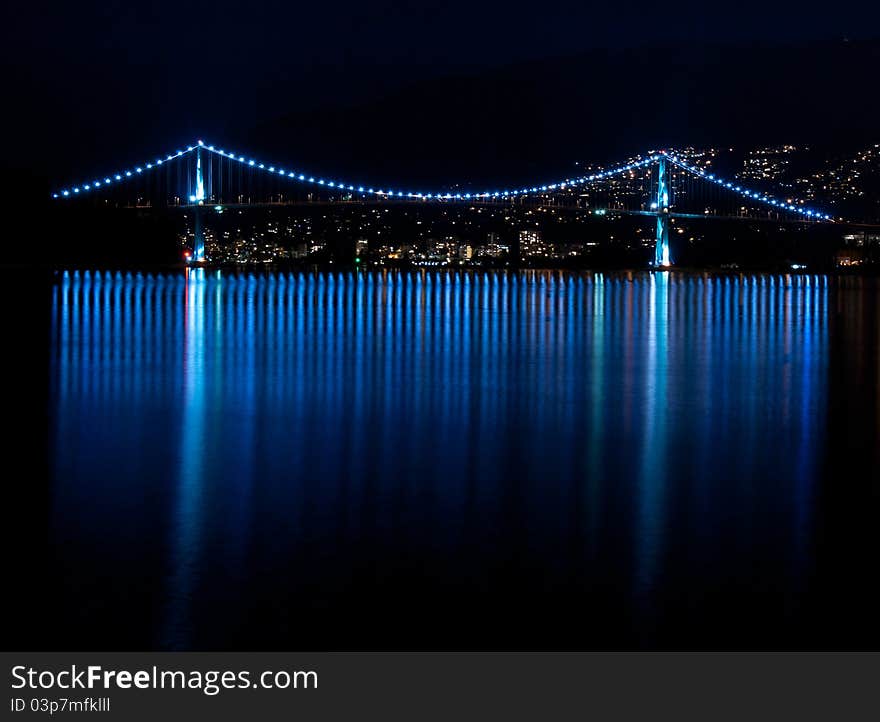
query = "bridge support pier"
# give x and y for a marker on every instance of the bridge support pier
(198, 236)
(661, 248)
(662, 256)
(198, 197)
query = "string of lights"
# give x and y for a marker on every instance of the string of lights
(121, 176)
(279, 171)
(438, 195)
(791, 206)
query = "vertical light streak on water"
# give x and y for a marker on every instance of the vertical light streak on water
(494, 375)
(187, 532)
(594, 368)
(87, 342)
(538, 320)
(469, 434)
(326, 315)
(390, 436)
(628, 339)
(810, 397)
(137, 336)
(789, 327)
(733, 334)
(441, 426)
(752, 358)
(124, 330)
(98, 342)
(77, 356)
(361, 364)
(699, 357)
(572, 428)
(60, 364)
(654, 461)
(465, 405)
(362, 381)
(301, 456)
(235, 486)
(562, 382)
(115, 331)
(340, 405)
(444, 489)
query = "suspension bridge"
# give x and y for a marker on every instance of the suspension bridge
(661, 185)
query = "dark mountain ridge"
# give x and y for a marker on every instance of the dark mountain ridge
(533, 120)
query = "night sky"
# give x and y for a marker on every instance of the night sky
(104, 83)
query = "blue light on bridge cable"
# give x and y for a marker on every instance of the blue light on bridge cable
(503, 193)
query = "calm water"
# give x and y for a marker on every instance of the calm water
(463, 460)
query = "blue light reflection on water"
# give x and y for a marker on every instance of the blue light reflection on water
(236, 451)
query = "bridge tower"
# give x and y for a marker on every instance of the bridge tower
(198, 198)
(662, 257)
